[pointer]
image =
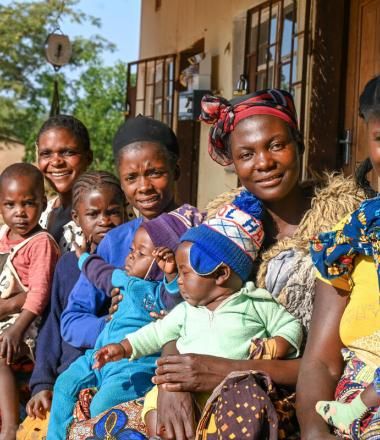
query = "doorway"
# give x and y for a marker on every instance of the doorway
(363, 63)
(188, 134)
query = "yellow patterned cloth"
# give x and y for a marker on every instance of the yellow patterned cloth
(360, 323)
(33, 429)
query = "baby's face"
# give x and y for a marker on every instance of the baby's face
(139, 259)
(197, 290)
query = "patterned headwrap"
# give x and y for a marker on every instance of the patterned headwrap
(225, 115)
(333, 252)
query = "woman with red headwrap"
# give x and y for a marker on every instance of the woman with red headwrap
(259, 135)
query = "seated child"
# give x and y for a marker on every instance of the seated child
(143, 292)
(351, 254)
(98, 206)
(28, 257)
(223, 311)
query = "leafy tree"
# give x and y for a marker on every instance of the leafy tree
(98, 104)
(26, 79)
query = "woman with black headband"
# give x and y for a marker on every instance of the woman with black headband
(146, 154)
(259, 135)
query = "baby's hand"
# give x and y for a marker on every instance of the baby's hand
(86, 246)
(165, 260)
(112, 353)
(160, 315)
(39, 404)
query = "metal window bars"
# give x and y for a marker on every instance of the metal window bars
(277, 46)
(150, 88)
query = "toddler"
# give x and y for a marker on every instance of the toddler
(143, 292)
(98, 206)
(28, 255)
(223, 311)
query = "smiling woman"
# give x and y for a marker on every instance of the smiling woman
(259, 134)
(147, 154)
(64, 153)
(147, 178)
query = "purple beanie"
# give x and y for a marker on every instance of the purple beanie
(167, 229)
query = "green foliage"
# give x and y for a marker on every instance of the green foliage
(26, 79)
(99, 105)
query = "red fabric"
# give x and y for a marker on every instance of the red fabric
(34, 263)
(225, 115)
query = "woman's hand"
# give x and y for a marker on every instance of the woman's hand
(175, 415)
(39, 404)
(191, 372)
(10, 341)
(116, 297)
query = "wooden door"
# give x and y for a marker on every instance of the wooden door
(363, 63)
(188, 133)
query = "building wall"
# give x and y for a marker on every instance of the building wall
(10, 152)
(175, 27)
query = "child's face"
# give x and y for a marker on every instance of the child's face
(139, 260)
(98, 211)
(61, 158)
(147, 179)
(195, 289)
(21, 205)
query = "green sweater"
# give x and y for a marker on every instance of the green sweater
(226, 332)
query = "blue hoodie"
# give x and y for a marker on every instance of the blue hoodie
(84, 317)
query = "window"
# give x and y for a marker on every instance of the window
(150, 88)
(276, 48)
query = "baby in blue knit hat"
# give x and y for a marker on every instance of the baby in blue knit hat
(222, 311)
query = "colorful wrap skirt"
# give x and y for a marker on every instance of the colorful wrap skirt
(122, 422)
(356, 377)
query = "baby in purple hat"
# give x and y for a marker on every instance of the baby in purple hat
(144, 291)
(222, 311)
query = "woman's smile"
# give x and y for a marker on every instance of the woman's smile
(269, 181)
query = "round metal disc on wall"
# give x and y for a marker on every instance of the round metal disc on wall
(58, 49)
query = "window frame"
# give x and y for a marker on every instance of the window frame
(146, 99)
(252, 56)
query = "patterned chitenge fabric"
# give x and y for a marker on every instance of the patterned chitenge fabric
(333, 252)
(247, 405)
(355, 379)
(122, 422)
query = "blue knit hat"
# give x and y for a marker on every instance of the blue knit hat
(234, 237)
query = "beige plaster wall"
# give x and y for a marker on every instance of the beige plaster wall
(10, 152)
(175, 27)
